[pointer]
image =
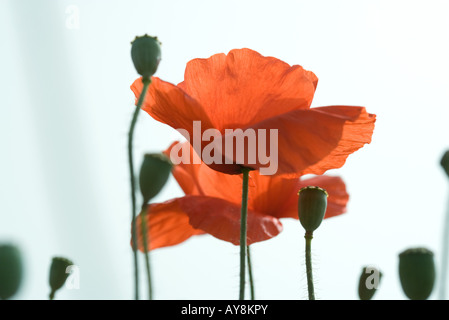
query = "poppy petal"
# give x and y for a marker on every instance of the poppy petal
(356, 132)
(271, 193)
(244, 87)
(199, 179)
(218, 185)
(336, 202)
(186, 172)
(221, 219)
(315, 140)
(169, 104)
(167, 225)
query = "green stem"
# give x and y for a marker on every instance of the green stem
(146, 83)
(444, 256)
(243, 226)
(145, 247)
(250, 273)
(309, 236)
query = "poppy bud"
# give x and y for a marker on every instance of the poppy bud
(445, 162)
(10, 270)
(369, 282)
(146, 55)
(312, 205)
(417, 273)
(58, 274)
(154, 173)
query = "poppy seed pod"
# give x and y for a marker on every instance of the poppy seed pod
(58, 274)
(417, 273)
(369, 282)
(10, 270)
(312, 205)
(154, 173)
(146, 55)
(445, 162)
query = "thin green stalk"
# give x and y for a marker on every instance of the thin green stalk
(444, 258)
(250, 274)
(309, 236)
(146, 83)
(243, 226)
(145, 248)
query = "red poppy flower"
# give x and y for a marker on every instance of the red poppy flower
(245, 90)
(212, 205)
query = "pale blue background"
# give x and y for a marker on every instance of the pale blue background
(66, 107)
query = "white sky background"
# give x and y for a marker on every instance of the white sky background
(66, 107)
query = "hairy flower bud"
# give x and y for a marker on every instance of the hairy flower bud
(58, 274)
(417, 273)
(10, 270)
(312, 205)
(369, 282)
(146, 55)
(154, 173)
(445, 162)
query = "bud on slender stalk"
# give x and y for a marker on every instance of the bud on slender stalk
(417, 273)
(445, 162)
(312, 205)
(154, 173)
(369, 282)
(146, 55)
(58, 274)
(11, 270)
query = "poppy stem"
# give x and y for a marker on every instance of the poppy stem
(146, 83)
(445, 258)
(250, 274)
(309, 236)
(243, 226)
(145, 248)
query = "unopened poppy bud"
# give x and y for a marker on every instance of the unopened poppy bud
(58, 274)
(417, 273)
(146, 55)
(312, 205)
(154, 173)
(445, 162)
(10, 270)
(369, 282)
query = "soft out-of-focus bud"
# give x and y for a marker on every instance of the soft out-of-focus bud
(445, 162)
(369, 282)
(11, 270)
(312, 205)
(146, 55)
(417, 273)
(154, 173)
(58, 274)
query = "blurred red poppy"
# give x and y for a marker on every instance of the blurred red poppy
(212, 205)
(245, 90)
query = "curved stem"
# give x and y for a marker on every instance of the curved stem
(146, 83)
(243, 225)
(145, 247)
(309, 236)
(250, 274)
